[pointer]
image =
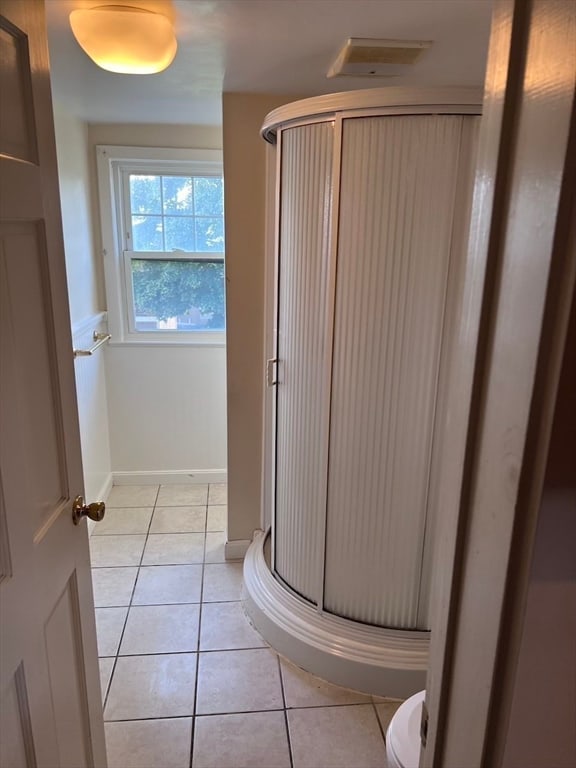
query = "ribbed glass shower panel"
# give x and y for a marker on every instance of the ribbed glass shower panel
(305, 195)
(397, 189)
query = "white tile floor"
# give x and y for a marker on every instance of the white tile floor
(186, 680)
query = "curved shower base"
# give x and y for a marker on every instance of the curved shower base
(375, 660)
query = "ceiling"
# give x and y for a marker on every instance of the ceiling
(262, 46)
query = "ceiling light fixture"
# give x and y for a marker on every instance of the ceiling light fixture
(125, 39)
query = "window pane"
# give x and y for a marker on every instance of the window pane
(147, 233)
(208, 196)
(209, 234)
(177, 193)
(179, 231)
(145, 194)
(178, 295)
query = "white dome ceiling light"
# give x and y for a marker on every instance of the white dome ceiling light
(125, 39)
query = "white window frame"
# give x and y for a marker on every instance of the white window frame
(112, 164)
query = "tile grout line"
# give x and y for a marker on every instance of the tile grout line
(382, 733)
(186, 717)
(204, 650)
(288, 739)
(153, 533)
(200, 604)
(117, 655)
(183, 602)
(195, 702)
(176, 506)
(194, 733)
(235, 712)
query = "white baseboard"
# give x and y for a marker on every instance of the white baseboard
(236, 549)
(177, 476)
(106, 488)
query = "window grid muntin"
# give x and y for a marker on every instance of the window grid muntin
(128, 172)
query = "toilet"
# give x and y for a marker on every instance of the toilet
(403, 734)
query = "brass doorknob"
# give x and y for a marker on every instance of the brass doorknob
(94, 511)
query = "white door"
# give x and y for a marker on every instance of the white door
(51, 713)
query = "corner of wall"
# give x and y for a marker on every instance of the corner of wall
(245, 205)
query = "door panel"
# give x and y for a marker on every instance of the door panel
(49, 680)
(393, 257)
(17, 133)
(303, 260)
(65, 662)
(16, 745)
(29, 323)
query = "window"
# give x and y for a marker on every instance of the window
(168, 218)
(163, 230)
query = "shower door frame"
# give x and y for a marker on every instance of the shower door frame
(273, 282)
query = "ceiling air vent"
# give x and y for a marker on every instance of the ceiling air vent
(366, 57)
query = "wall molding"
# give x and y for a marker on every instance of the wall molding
(106, 488)
(236, 549)
(89, 324)
(170, 477)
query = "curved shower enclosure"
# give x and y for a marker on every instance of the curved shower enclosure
(373, 199)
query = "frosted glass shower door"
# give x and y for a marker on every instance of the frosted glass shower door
(301, 405)
(398, 181)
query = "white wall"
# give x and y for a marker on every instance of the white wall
(86, 297)
(85, 271)
(167, 409)
(167, 405)
(91, 389)
(245, 207)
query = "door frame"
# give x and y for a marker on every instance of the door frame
(272, 199)
(515, 307)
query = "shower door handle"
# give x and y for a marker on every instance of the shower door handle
(271, 372)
